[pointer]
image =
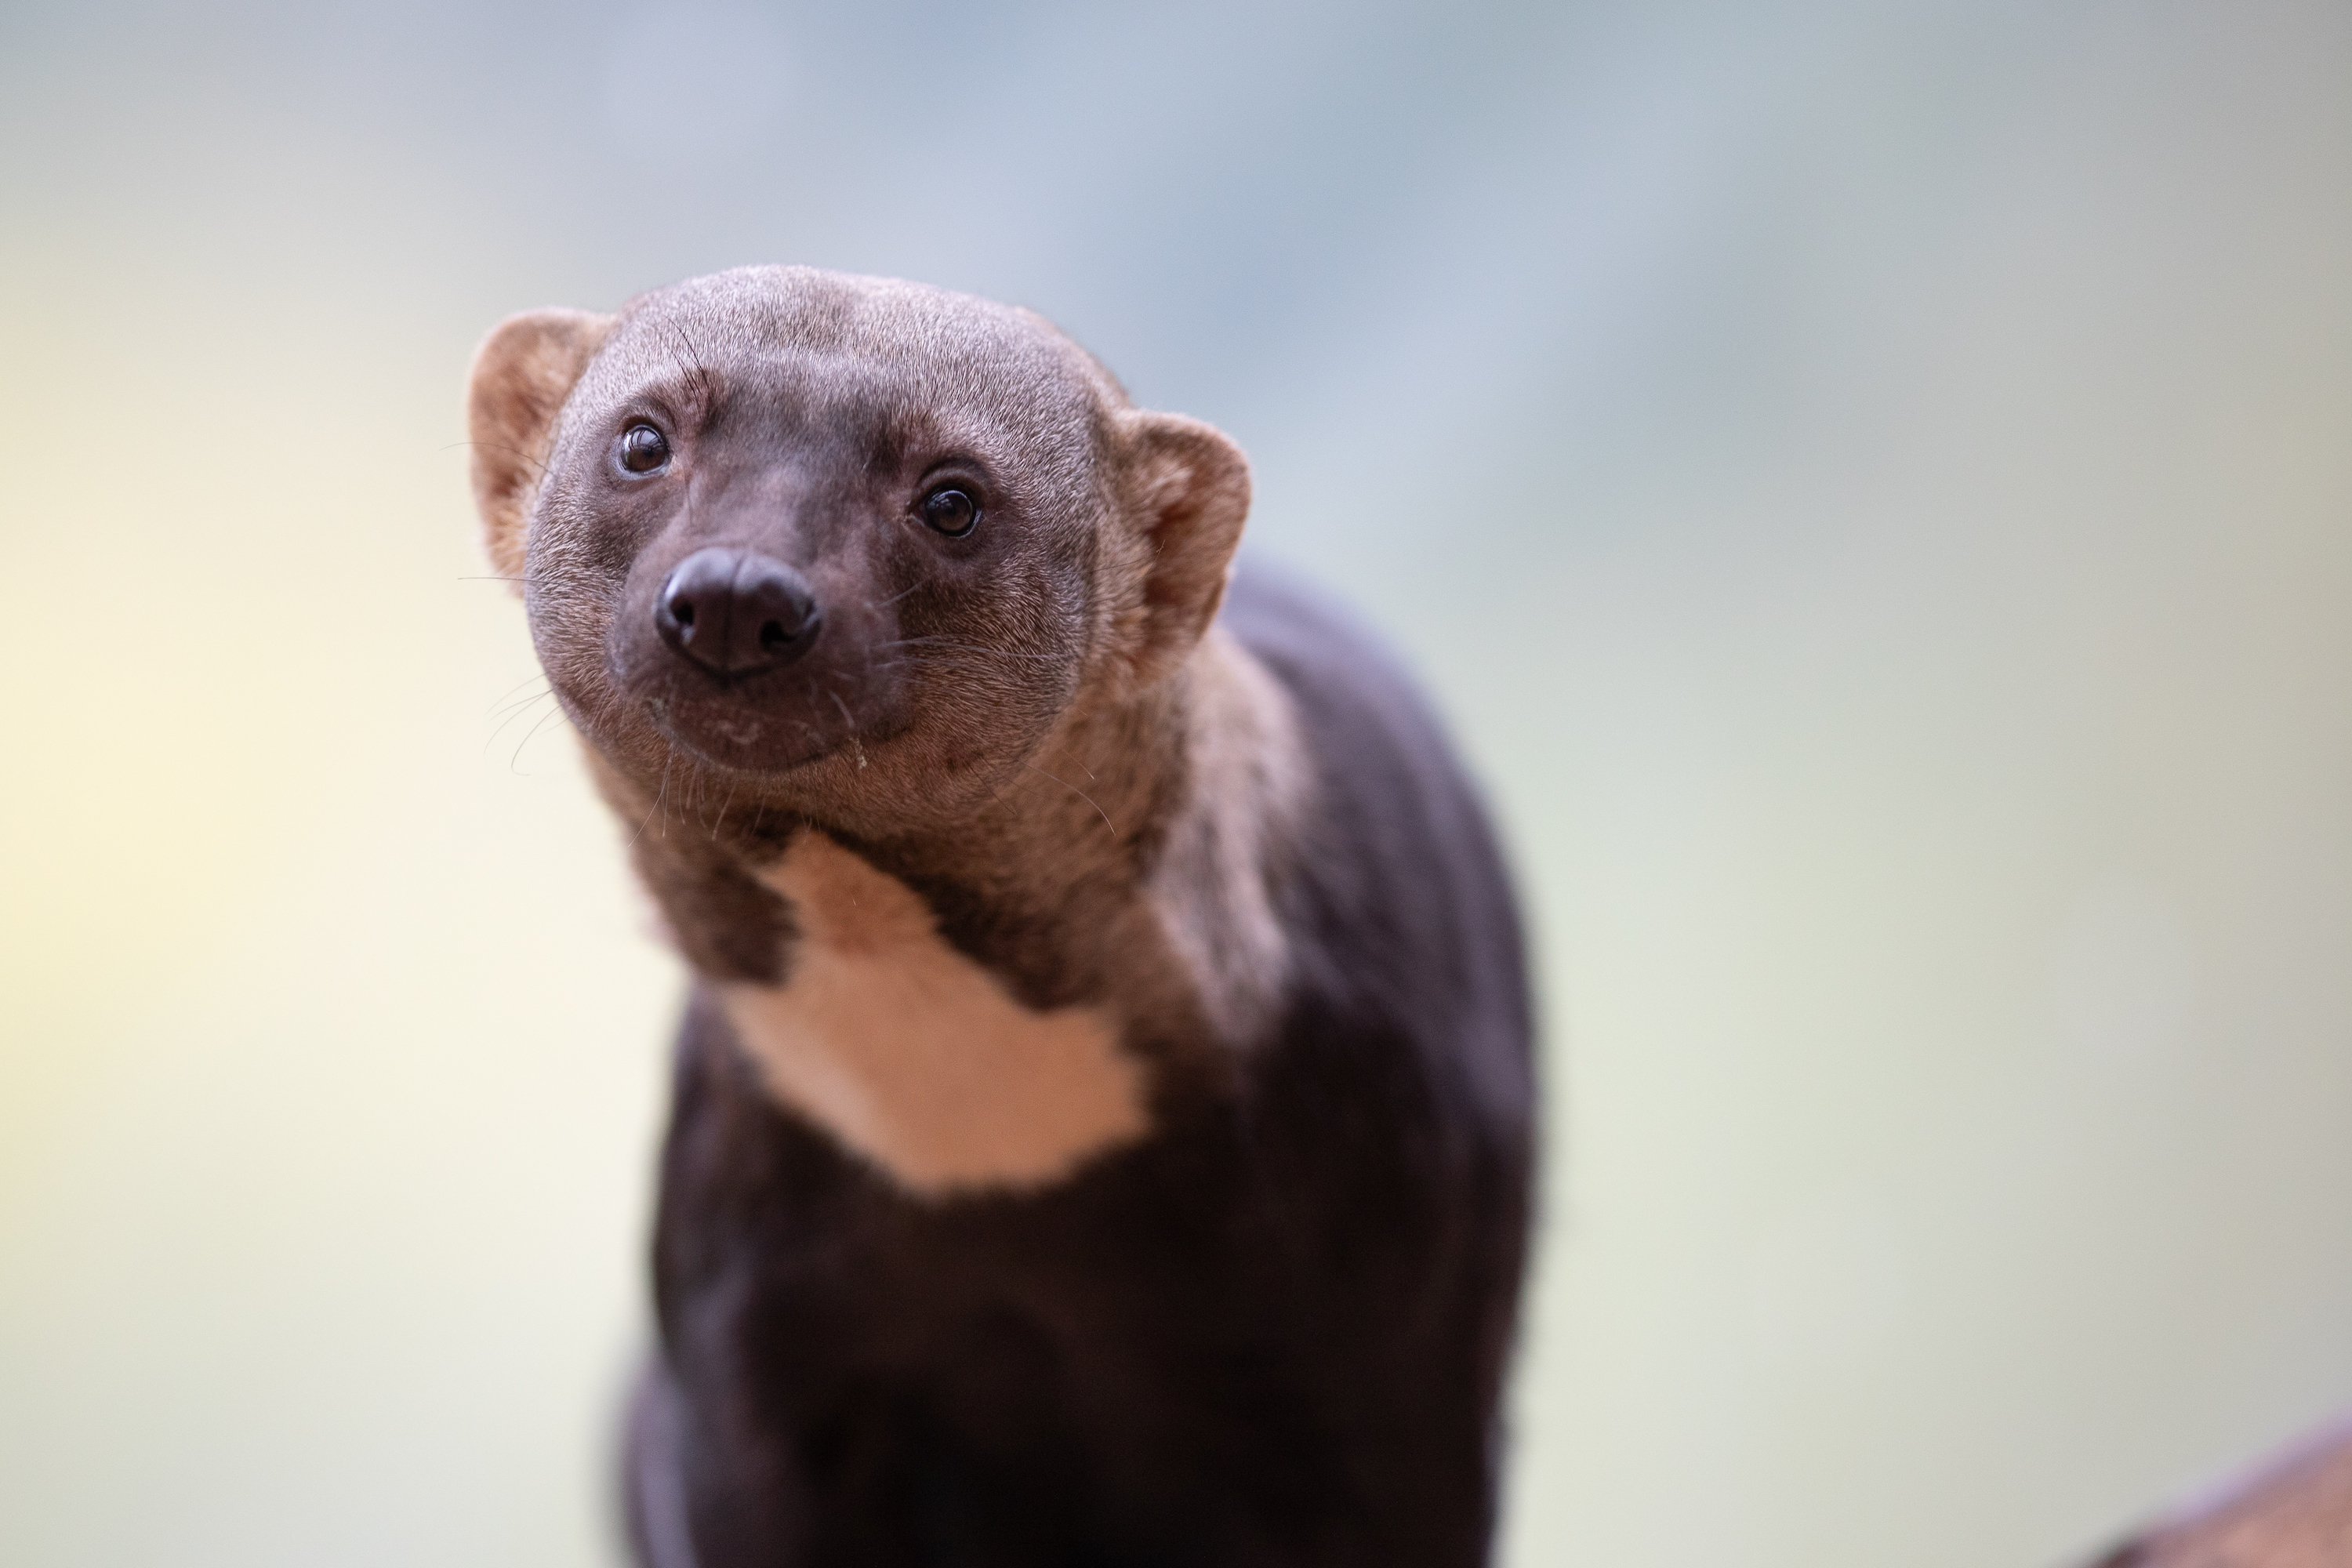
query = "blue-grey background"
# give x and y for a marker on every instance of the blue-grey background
(1872, 486)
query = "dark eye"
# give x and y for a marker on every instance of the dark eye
(951, 510)
(644, 450)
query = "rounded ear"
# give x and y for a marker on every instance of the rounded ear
(523, 372)
(1187, 487)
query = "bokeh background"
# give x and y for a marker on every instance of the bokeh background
(1871, 485)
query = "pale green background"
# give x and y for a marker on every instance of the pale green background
(1872, 485)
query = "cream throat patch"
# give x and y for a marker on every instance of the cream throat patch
(914, 1057)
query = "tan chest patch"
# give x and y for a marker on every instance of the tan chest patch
(914, 1057)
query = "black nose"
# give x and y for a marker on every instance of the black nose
(735, 612)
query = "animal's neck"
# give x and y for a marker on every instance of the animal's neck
(1075, 820)
(994, 1006)
(1138, 833)
(994, 1003)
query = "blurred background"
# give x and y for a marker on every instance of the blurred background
(1872, 486)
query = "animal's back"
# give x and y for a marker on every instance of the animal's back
(1403, 890)
(1404, 1070)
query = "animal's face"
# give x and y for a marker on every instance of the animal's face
(845, 546)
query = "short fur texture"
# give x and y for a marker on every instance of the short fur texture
(1102, 1119)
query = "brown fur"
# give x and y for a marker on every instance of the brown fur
(2298, 1515)
(522, 373)
(1101, 1130)
(1107, 856)
(1188, 489)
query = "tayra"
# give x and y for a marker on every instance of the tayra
(1103, 1112)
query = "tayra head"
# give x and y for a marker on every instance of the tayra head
(849, 547)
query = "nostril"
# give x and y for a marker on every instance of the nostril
(735, 611)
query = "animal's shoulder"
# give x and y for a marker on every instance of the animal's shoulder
(1398, 912)
(1391, 792)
